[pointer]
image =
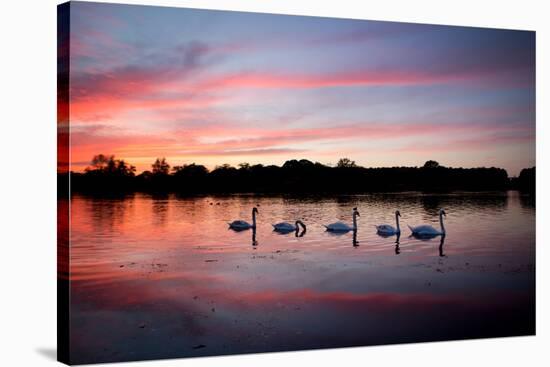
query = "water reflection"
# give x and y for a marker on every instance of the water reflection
(254, 241)
(160, 207)
(159, 276)
(397, 249)
(246, 229)
(441, 243)
(527, 201)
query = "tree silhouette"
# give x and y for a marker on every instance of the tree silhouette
(160, 167)
(244, 166)
(99, 163)
(190, 170)
(527, 179)
(110, 175)
(431, 164)
(108, 165)
(345, 163)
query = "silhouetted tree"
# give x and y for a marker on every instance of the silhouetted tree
(345, 163)
(244, 166)
(108, 165)
(100, 162)
(527, 180)
(295, 176)
(190, 178)
(297, 164)
(431, 164)
(190, 170)
(124, 169)
(160, 167)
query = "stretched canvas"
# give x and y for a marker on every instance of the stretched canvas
(233, 182)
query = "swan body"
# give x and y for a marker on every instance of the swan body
(343, 227)
(429, 231)
(288, 227)
(338, 227)
(240, 225)
(388, 230)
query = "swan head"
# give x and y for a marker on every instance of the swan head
(397, 213)
(255, 211)
(356, 212)
(442, 212)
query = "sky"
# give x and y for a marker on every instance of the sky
(215, 87)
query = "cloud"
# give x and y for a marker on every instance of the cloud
(197, 99)
(210, 141)
(244, 152)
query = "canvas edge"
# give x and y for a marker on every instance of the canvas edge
(63, 184)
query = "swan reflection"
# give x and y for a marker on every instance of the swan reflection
(285, 227)
(254, 242)
(354, 241)
(441, 243)
(397, 249)
(238, 230)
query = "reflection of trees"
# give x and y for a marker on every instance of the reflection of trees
(494, 201)
(108, 214)
(527, 201)
(159, 207)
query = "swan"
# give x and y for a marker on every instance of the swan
(387, 230)
(288, 227)
(240, 225)
(343, 227)
(429, 231)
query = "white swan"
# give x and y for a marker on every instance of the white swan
(388, 230)
(288, 227)
(240, 225)
(429, 231)
(343, 227)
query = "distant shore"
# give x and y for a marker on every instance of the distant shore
(107, 175)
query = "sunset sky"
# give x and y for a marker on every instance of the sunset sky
(215, 87)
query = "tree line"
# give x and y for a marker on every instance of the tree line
(111, 175)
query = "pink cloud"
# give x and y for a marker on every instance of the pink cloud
(208, 141)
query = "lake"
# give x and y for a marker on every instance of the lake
(162, 276)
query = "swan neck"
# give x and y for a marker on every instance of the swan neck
(254, 219)
(441, 223)
(354, 221)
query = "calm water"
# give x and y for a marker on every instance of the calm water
(162, 276)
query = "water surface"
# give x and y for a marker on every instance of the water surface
(163, 276)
